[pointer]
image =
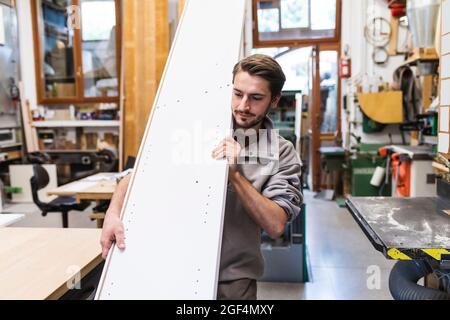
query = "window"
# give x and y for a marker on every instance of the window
(95, 26)
(99, 48)
(77, 63)
(291, 22)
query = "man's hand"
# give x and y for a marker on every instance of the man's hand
(113, 231)
(228, 149)
(113, 226)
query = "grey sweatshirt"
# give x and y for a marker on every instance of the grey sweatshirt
(241, 254)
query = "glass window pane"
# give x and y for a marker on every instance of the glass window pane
(57, 49)
(328, 90)
(291, 20)
(99, 48)
(268, 20)
(97, 26)
(294, 14)
(323, 14)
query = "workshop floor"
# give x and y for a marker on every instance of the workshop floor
(341, 258)
(340, 255)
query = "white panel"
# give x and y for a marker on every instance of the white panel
(2, 27)
(445, 70)
(173, 212)
(445, 92)
(20, 177)
(445, 44)
(420, 170)
(443, 145)
(446, 17)
(443, 119)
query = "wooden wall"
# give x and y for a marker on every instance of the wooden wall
(145, 51)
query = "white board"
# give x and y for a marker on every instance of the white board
(173, 209)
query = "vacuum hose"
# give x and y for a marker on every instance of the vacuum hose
(403, 282)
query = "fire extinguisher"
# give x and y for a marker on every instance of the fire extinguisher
(345, 64)
(398, 8)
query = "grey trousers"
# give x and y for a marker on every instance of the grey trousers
(242, 289)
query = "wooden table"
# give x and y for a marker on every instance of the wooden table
(37, 264)
(9, 219)
(100, 186)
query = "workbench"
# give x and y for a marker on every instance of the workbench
(405, 228)
(100, 186)
(38, 264)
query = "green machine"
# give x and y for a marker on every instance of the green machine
(362, 165)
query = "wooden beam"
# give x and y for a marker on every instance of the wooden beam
(146, 47)
(181, 4)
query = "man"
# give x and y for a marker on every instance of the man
(257, 198)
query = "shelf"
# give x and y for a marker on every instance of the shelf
(422, 55)
(76, 123)
(12, 145)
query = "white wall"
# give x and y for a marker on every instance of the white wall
(354, 18)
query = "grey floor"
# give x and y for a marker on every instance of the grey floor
(342, 260)
(343, 263)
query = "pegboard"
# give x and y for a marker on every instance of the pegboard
(173, 210)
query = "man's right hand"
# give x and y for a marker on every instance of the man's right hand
(113, 231)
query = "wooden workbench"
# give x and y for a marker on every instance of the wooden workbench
(37, 264)
(100, 186)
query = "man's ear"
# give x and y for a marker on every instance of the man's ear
(275, 101)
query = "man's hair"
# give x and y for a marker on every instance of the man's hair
(265, 67)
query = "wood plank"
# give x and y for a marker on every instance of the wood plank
(90, 185)
(37, 264)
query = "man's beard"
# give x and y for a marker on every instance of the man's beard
(253, 123)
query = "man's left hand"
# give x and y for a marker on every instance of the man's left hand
(228, 149)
